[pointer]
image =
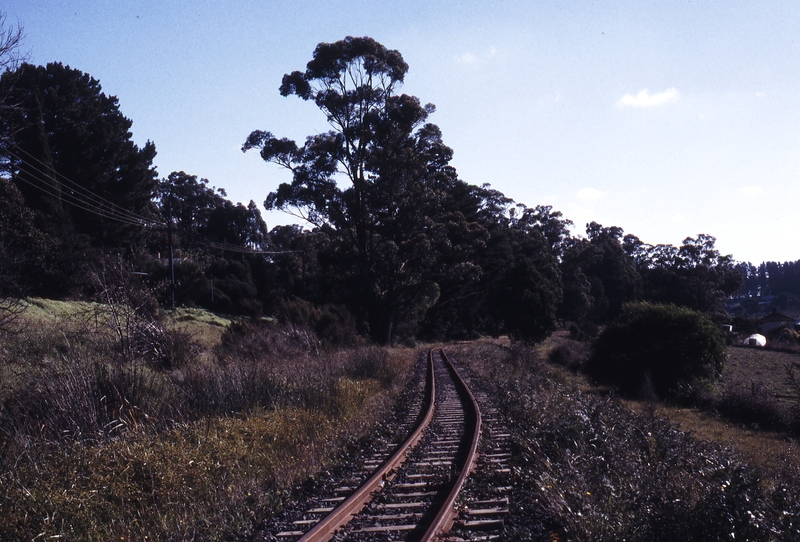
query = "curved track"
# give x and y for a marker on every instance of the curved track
(412, 494)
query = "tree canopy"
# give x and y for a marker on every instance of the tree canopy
(68, 150)
(68, 139)
(397, 244)
(403, 227)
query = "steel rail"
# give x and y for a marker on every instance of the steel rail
(444, 518)
(325, 529)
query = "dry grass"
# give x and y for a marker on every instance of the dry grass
(200, 481)
(766, 368)
(747, 369)
(95, 446)
(768, 450)
(588, 467)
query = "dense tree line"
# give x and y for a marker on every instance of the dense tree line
(396, 246)
(770, 279)
(69, 155)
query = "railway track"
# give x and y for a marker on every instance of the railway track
(412, 490)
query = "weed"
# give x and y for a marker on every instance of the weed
(569, 354)
(96, 443)
(79, 397)
(585, 467)
(754, 405)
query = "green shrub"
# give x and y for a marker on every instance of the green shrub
(657, 349)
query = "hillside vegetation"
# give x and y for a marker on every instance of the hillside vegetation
(100, 438)
(589, 467)
(123, 417)
(97, 446)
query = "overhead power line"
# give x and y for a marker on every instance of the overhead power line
(74, 193)
(82, 198)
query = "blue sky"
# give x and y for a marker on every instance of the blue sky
(665, 118)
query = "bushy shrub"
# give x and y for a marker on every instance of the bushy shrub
(657, 348)
(570, 354)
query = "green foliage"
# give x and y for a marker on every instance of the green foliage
(771, 278)
(86, 186)
(332, 323)
(29, 258)
(587, 467)
(599, 277)
(658, 346)
(527, 301)
(67, 133)
(694, 275)
(201, 214)
(403, 232)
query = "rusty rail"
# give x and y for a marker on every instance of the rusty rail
(325, 529)
(444, 519)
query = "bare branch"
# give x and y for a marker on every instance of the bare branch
(11, 39)
(12, 304)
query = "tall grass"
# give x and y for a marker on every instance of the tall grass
(588, 468)
(122, 426)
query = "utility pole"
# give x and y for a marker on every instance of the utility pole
(304, 273)
(171, 259)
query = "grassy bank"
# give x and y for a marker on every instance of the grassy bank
(182, 427)
(587, 466)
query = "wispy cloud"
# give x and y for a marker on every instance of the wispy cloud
(646, 99)
(469, 59)
(751, 191)
(589, 194)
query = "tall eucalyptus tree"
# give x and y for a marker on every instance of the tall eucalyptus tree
(379, 182)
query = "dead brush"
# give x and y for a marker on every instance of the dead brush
(129, 314)
(79, 396)
(754, 405)
(95, 446)
(571, 354)
(588, 468)
(368, 362)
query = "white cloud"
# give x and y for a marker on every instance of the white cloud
(589, 194)
(467, 58)
(751, 191)
(646, 99)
